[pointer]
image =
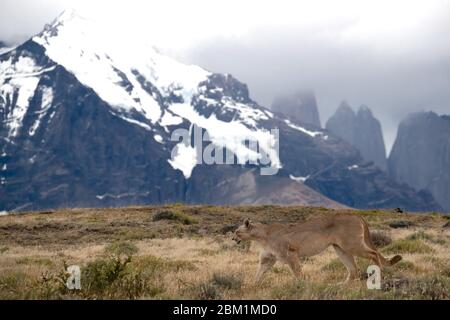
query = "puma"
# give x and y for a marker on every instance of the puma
(347, 234)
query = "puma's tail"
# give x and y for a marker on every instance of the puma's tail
(379, 257)
(387, 263)
(395, 259)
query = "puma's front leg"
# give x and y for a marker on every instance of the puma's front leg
(266, 262)
(292, 260)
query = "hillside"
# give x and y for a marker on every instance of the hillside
(186, 252)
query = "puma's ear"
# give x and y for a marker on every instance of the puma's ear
(247, 223)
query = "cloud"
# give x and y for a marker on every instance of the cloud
(407, 72)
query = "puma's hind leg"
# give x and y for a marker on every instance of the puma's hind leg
(349, 261)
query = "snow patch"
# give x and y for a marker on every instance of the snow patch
(46, 103)
(120, 196)
(20, 78)
(169, 119)
(299, 179)
(308, 132)
(158, 138)
(138, 123)
(248, 115)
(184, 159)
(231, 135)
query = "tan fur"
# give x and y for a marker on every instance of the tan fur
(348, 234)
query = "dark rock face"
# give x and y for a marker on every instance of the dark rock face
(343, 123)
(421, 155)
(301, 107)
(362, 130)
(366, 187)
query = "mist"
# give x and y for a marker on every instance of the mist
(391, 81)
(391, 56)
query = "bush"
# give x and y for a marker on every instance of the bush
(120, 249)
(99, 275)
(205, 291)
(174, 216)
(227, 281)
(380, 239)
(115, 278)
(406, 266)
(420, 236)
(432, 288)
(401, 224)
(408, 246)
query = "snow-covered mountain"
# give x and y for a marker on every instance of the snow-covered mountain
(4, 47)
(86, 120)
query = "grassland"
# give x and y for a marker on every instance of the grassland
(186, 252)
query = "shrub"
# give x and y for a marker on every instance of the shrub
(406, 266)
(174, 216)
(380, 239)
(420, 236)
(400, 224)
(227, 281)
(205, 291)
(120, 249)
(114, 278)
(432, 288)
(99, 275)
(408, 246)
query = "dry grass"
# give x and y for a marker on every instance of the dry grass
(127, 254)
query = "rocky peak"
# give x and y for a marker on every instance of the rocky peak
(360, 129)
(420, 156)
(342, 123)
(300, 107)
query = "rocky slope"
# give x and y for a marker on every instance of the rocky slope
(362, 130)
(421, 154)
(87, 122)
(300, 107)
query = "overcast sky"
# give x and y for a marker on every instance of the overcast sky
(393, 56)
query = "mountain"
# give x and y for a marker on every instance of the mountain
(362, 130)
(87, 121)
(300, 107)
(420, 156)
(4, 47)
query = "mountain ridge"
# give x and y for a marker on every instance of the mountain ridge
(74, 136)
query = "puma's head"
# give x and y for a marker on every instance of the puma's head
(248, 231)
